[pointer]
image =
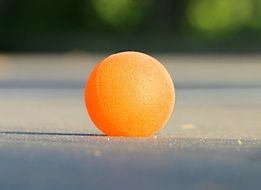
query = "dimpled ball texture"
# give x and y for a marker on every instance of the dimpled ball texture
(129, 94)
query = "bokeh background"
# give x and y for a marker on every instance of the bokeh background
(182, 26)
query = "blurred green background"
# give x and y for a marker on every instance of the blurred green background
(181, 26)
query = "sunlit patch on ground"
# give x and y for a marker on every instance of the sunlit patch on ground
(5, 67)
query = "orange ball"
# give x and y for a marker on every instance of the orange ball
(129, 94)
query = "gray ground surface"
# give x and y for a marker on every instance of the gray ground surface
(212, 141)
(94, 162)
